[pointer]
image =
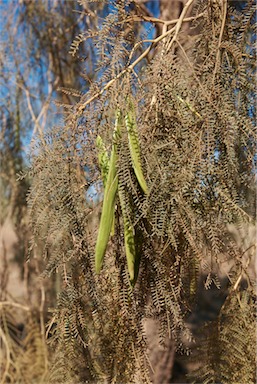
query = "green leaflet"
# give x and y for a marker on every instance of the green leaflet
(134, 147)
(108, 209)
(189, 106)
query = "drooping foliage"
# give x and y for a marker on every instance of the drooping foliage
(195, 123)
(24, 356)
(230, 343)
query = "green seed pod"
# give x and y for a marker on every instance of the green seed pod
(134, 147)
(129, 240)
(104, 164)
(103, 159)
(108, 209)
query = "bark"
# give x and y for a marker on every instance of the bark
(171, 9)
(161, 356)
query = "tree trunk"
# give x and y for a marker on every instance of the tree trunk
(161, 356)
(171, 9)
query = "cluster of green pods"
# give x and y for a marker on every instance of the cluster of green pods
(109, 173)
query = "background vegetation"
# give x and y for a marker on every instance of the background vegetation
(188, 69)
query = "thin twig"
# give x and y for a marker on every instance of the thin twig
(167, 22)
(11, 304)
(243, 269)
(224, 16)
(50, 326)
(37, 127)
(8, 356)
(34, 118)
(179, 23)
(193, 71)
(41, 312)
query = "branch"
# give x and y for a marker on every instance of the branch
(179, 23)
(130, 67)
(21, 84)
(167, 22)
(224, 16)
(12, 304)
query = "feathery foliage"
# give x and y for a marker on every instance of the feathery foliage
(195, 130)
(228, 346)
(24, 354)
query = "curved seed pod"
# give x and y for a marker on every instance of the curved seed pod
(108, 209)
(134, 147)
(103, 159)
(104, 164)
(129, 240)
